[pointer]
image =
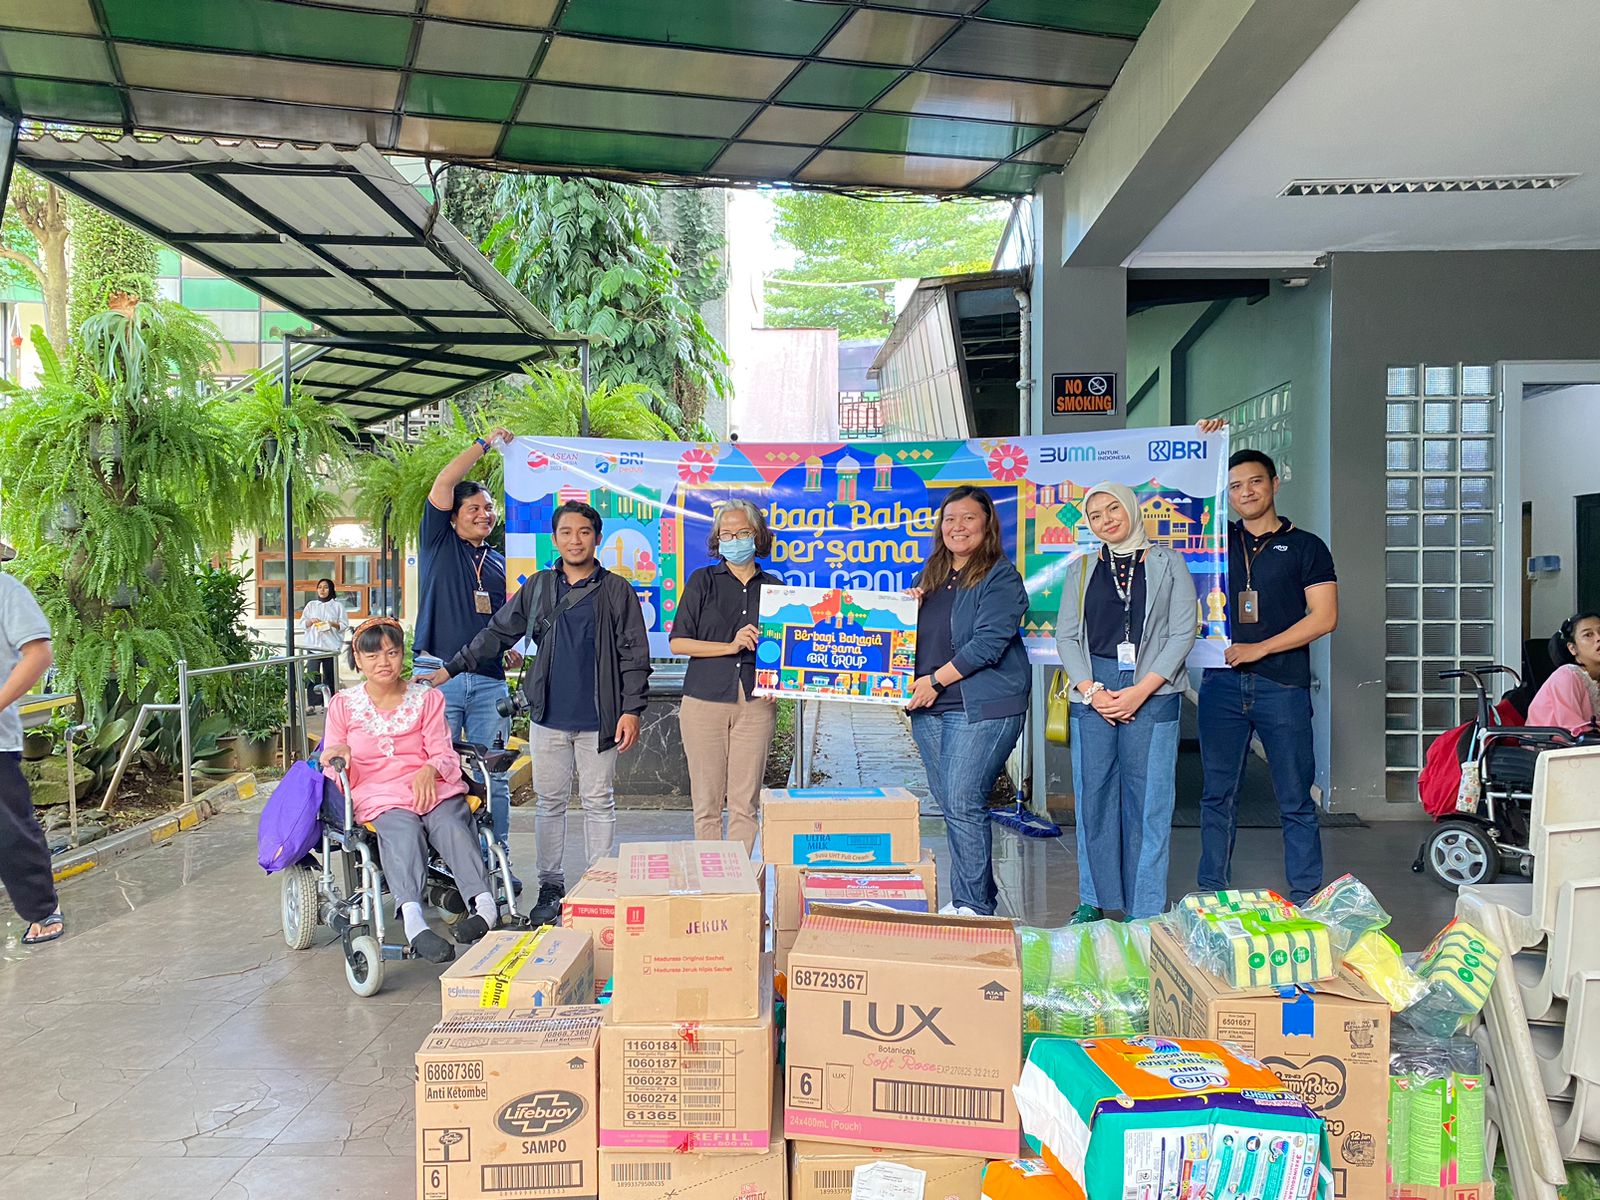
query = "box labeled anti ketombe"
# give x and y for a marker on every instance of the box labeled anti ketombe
(689, 933)
(904, 1030)
(840, 827)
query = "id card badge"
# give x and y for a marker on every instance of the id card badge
(480, 602)
(1127, 653)
(1249, 607)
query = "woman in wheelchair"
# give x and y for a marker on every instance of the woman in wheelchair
(406, 782)
(1570, 698)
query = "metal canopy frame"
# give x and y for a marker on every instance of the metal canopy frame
(979, 96)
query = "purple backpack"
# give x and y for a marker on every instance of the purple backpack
(288, 828)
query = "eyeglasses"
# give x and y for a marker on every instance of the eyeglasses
(724, 538)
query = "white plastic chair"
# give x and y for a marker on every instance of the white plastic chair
(1572, 948)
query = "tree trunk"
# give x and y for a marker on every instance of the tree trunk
(53, 257)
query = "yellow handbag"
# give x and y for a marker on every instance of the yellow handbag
(1058, 709)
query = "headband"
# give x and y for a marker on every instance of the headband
(374, 623)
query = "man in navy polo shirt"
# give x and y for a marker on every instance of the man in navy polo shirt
(1282, 596)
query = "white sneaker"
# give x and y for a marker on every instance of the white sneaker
(957, 910)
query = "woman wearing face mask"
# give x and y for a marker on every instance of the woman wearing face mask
(1127, 622)
(727, 730)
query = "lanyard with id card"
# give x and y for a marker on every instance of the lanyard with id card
(1249, 606)
(481, 603)
(1127, 651)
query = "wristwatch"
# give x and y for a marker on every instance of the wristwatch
(482, 443)
(937, 686)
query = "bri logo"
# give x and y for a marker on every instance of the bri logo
(877, 1030)
(1166, 450)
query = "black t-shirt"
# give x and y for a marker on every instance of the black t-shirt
(935, 642)
(569, 698)
(1281, 566)
(714, 607)
(449, 570)
(1103, 614)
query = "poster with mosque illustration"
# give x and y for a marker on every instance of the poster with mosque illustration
(860, 517)
(836, 644)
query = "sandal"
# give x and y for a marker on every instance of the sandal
(51, 928)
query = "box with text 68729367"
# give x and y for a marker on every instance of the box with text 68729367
(904, 1030)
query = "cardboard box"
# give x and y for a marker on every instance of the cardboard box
(514, 969)
(1461, 1191)
(677, 1086)
(788, 901)
(904, 1030)
(823, 1171)
(592, 907)
(783, 943)
(635, 1175)
(689, 933)
(840, 827)
(1328, 1043)
(506, 1105)
(894, 893)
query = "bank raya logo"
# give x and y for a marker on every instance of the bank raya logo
(1168, 450)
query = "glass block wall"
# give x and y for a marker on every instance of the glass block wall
(251, 326)
(1439, 569)
(1263, 423)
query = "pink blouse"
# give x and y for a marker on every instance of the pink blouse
(388, 748)
(1569, 699)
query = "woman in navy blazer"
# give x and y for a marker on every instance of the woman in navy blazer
(972, 681)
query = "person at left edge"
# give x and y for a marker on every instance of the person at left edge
(972, 680)
(461, 580)
(586, 683)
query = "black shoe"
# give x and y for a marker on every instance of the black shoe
(431, 946)
(469, 930)
(547, 910)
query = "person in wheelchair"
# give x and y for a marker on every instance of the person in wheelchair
(1570, 698)
(406, 782)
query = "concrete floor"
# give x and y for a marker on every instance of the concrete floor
(173, 1045)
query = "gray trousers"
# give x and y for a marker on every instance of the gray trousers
(403, 839)
(557, 755)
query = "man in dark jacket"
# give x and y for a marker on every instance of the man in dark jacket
(585, 685)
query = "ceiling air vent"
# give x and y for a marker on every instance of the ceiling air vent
(1406, 187)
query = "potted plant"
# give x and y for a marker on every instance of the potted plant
(258, 708)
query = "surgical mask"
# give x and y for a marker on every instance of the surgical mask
(739, 550)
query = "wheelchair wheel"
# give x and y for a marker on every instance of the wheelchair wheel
(1459, 853)
(363, 965)
(300, 906)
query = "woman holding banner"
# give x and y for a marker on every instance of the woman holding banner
(971, 686)
(1126, 625)
(727, 730)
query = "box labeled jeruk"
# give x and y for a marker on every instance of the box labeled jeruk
(1328, 1042)
(591, 906)
(823, 1171)
(788, 900)
(513, 969)
(676, 1086)
(507, 1105)
(689, 933)
(840, 827)
(904, 1030)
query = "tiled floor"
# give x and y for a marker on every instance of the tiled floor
(173, 1046)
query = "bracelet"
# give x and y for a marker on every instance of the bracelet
(937, 686)
(482, 443)
(1094, 687)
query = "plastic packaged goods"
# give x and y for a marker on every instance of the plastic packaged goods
(1456, 971)
(1436, 1116)
(1089, 980)
(1377, 959)
(1260, 948)
(1349, 910)
(1026, 1179)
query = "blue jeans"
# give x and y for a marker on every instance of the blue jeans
(962, 758)
(1233, 704)
(1125, 781)
(471, 710)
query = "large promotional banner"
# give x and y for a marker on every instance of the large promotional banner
(861, 515)
(836, 644)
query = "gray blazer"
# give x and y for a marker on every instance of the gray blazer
(1171, 619)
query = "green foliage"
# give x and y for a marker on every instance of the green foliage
(841, 239)
(222, 595)
(696, 241)
(108, 255)
(396, 478)
(468, 195)
(270, 441)
(586, 253)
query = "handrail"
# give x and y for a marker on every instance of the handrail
(278, 661)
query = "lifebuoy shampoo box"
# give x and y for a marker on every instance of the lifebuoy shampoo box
(1328, 1041)
(507, 1105)
(904, 1031)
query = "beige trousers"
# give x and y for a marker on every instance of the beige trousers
(726, 745)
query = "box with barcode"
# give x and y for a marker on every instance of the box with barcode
(693, 1175)
(840, 827)
(904, 1030)
(517, 969)
(591, 906)
(823, 1171)
(676, 1086)
(507, 1105)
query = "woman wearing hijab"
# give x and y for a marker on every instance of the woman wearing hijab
(1126, 625)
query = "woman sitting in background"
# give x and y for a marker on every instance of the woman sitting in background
(1570, 698)
(405, 780)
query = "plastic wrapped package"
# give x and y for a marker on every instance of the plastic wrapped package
(1436, 1115)
(1026, 1179)
(1253, 939)
(1089, 980)
(1349, 910)
(1456, 970)
(1377, 959)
